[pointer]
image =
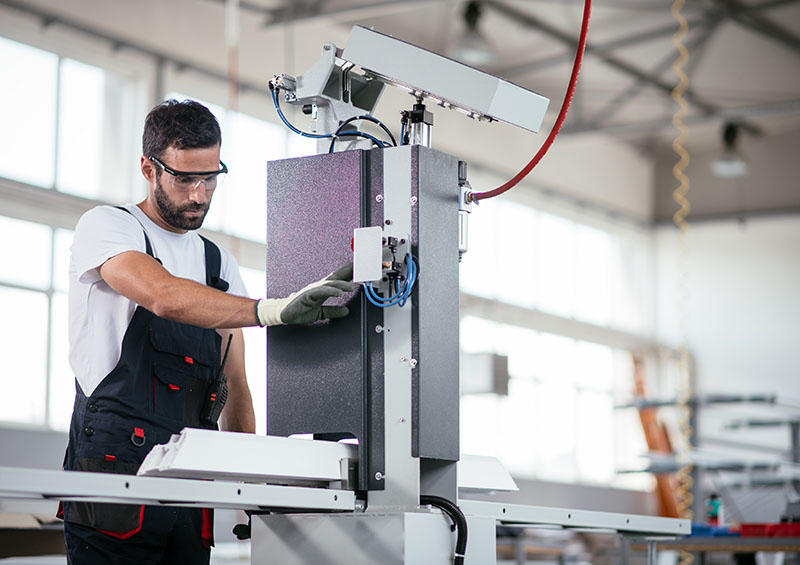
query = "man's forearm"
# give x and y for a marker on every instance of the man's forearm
(238, 414)
(143, 280)
(196, 304)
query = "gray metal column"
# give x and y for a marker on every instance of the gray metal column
(401, 468)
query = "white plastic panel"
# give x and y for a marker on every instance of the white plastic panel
(367, 254)
(209, 454)
(480, 473)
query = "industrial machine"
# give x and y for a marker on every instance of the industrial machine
(381, 480)
(387, 376)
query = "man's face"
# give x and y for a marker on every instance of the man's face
(184, 210)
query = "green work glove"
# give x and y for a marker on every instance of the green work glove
(306, 306)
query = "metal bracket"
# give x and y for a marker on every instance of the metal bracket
(335, 93)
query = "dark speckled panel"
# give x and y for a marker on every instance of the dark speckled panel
(313, 205)
(320, 378)
(435, 395)
(436, 391)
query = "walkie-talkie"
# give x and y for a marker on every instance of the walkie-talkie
(217, 393)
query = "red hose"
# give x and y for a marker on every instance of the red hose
(576, 67)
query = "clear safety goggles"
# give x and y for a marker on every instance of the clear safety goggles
(189, 181)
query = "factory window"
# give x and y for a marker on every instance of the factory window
(33, 293)
(81, 160)
(25, 289)
(61, 381)
(28, 108)
(71, 124)
(537, 259)
(558, 420)
(586, 275)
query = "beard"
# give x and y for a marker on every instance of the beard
(174, 215)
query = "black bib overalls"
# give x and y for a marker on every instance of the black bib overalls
(156, 389)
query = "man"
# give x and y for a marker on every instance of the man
(153, 307)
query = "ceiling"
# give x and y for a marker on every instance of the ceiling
(743, 66)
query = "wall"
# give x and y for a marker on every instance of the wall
(743, 329)
(744, 304)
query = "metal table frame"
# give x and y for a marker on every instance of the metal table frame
(38, 484)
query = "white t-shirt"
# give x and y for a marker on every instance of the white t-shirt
(98, 316)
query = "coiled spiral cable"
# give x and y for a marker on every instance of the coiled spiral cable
(685, 481)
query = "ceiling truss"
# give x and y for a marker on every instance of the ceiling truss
(714, 13)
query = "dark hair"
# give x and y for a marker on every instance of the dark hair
(184, 125)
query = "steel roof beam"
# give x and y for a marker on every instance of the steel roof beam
(629, 40)
(700, 38)
(751, 20)
(610, 60)
(636, 129)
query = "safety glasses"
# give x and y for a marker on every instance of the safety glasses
(188, 181)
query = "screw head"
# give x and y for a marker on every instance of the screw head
(413, 363)
(378, 476)
(379, 198)
(413, 200)
(378, 329)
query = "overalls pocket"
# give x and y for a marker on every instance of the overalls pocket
(184, 360)
(117, 520)
(169, 392)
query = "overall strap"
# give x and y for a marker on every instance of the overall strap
(148, 247)
(212, 253)
(213, 265)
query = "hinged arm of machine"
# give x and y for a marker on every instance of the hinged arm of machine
(344, 84)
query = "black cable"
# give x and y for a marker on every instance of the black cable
(458, 518)
(339, 133)
(356, 133)
(372, 119)
(382, 126)
(273, 91)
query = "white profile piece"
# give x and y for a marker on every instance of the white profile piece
(483, 474)
(209, 454)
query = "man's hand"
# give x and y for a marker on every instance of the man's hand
(306, 306)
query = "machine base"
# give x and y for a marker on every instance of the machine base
(402, 538)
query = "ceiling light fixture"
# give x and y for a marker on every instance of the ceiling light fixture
(731, 164)
(472, 47)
